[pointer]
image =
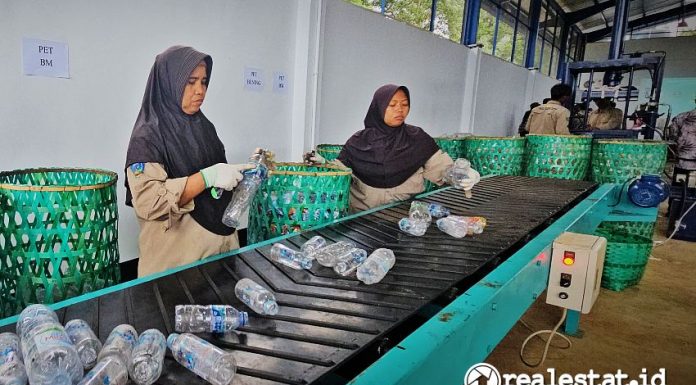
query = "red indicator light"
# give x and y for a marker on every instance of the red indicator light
(568, 258)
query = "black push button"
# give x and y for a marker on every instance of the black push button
(565, 280)
(563, 295)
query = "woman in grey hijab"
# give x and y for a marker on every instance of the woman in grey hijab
(174, 160)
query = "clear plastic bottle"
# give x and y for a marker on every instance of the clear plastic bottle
(206, 360)
(312, 245)
(12, 371)
(461, 173)
(476, 224)
(119, 344)
(289, 257)
(413, 227)
(437, 210)
(109, 371)
(419, 212)
(330, 255)
(210, 318)
(258, 298)
(245, 190)
(147, 359)
(85, 341)
(455, 226)
(49, 355)
(349, 262)
(376, 266)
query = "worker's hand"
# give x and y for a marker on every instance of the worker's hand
(223, 175)
(313, 157)
(468, 183)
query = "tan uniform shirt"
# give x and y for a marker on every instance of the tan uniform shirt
(363, 197)
(550, 118)
(606, 119)
(169, 236)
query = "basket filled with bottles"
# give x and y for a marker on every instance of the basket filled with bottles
(297, 196)
(495, 155)
(329, 151)
(616, 161)
(558, 156)
(59, 235)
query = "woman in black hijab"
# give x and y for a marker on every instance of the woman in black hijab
(389, 158)
(174, 160)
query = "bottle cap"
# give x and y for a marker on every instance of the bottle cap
(171, 338)
(243, 318)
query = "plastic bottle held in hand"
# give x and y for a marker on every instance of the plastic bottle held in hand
(419, 212)
(245, 190)
(349, 262)
(413, 227)
(289, 257)
(376, 266)
(328, 256)
(437, 210)
(258, 298)
(462, 176)
(312, 245)
(455, 226)
(108, 371)
(201, 357)
(49, 355)
(12, 371)
(85, 341)
(210, 318)
(147, 359)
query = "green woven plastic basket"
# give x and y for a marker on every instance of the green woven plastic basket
(626, 258)
(59, 235)
(329, 151)
(297, 196)
(616, 161)
(558, 156)
(643, 229)
(452, 146)
(495, 155)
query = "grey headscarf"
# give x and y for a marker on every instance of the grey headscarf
(183, 144)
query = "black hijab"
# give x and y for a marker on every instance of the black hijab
(382, 156)
(183, 144)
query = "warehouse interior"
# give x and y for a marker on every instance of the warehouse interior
(472, 67)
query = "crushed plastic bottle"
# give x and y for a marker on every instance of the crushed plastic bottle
(312, 245)
(330, 255)
(246, 189)
(147, 358)
(437, 210)
(454, 226)
(49, 355)
(476, 224)
(206, 360)
(376, 266)
(210, 318)
(350, 262)
(419, 212)
(85, 341)
(12, 371)
(258, 298)
(289, 257)
(413, 227)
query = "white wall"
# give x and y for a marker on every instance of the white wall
(86, 120)
(362, 50)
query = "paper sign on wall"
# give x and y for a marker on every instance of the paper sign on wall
(45, 58)
(253, 79)
(280, 82)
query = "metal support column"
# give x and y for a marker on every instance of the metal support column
(534, 12)
(471, 18)
(619, 29)
(433, 15)
(560, 73)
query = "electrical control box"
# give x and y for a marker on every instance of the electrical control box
(577, 261)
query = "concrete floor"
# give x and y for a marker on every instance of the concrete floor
(651, 325)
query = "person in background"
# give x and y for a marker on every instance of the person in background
(551, 117)
(521, 129)
(390, 159)
(606, 117)
(174, 159)
(684, 125)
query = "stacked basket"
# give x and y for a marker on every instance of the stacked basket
(495, 155)
(329, 151)
(616, 161)
(59, 235)
(558, 156)
(296, 197)
(626, 257)
(452, 146)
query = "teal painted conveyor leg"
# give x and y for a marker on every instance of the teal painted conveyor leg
(572, 323)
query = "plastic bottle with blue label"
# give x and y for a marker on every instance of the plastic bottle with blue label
(454, 226)
(289, 257)
(203, 358)
(112, 365)
(12, 371)
(330, 255)
(208, 318)
(147, 358)
(312, 245)
(437, 210)
(413, 227)
(49, 355)
(245, 190)
(85, 341)
(349, 262)
(376, 266)
(257, 297)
